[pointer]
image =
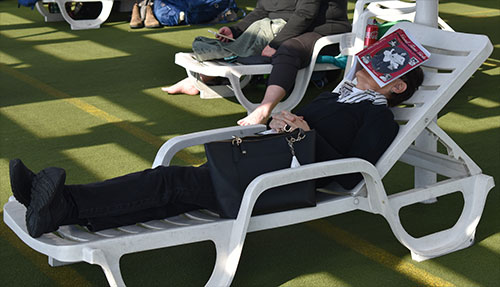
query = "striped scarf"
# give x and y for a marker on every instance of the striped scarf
(349, 94)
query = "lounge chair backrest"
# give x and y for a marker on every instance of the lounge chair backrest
(444, 74)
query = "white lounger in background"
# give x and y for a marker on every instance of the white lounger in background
(399, 10)
(107, 5)
(239, 75)
(350, 43)
(455, 57)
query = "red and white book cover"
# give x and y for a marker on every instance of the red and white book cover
(391, 57)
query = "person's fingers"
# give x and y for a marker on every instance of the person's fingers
(286, 114)
(286, 118)
(298, 123)
(289, 125)
(276, 124)
(279, 117)
(224, 30)
(282, 114)
(222, 39)
(291, 117)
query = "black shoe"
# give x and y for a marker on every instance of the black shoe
(20, 181)
(48, 208)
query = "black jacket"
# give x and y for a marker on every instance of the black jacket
(361, 130)
(325, 17)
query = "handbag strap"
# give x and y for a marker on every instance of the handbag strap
(291, 140)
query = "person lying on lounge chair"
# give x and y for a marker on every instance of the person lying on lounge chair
(355, 123)
(289, 50)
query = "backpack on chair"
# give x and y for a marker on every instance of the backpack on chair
(27, 3)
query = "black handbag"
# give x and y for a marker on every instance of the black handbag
(233, 164)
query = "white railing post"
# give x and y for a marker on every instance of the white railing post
(427, 12)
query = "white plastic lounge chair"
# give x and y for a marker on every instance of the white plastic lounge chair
(455, 57)
(239, 75)
(107, 5)
(392, 10)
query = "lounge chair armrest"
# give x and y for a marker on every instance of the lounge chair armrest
(174, 145)
(341, 39)
(328, 40)
(306, 172)
(347, 47)
(345, 41)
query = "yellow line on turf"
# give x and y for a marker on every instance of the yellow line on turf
(377, 254)
(495, 11)
(95, 111)
(69, 276)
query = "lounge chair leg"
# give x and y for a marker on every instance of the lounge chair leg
(218, 91)
(48, 17)
(226, 263)
(424, 177)
(236, 85)
(474, 190)
(110, 264)
(107, 5)
(56, 263)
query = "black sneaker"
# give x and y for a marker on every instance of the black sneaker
(48, 208)
(21, 178)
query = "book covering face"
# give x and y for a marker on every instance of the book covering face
(391, 57)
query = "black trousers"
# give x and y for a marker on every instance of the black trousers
(137, 197)
(293, 55)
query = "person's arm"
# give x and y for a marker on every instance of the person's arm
(258, 13)
(301, 20)
(371, 141)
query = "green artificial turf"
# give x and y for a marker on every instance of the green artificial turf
(90, 101)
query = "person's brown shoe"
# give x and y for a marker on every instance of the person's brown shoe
(150, 21)
(135, 20)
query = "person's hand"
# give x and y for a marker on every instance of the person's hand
(287, 122)
(268, 51)
(226, 32)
